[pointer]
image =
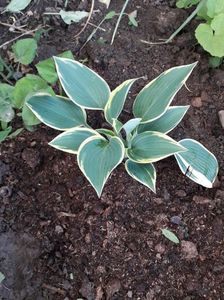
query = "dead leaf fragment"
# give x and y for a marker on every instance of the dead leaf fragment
(106, 2)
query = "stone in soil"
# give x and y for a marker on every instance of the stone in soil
(196, 102)
(31, 157)
(221, 118)
(112, 288)
(87, 289)
(189, 250)
(201, 200)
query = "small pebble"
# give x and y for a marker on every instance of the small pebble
(181, 193)
(196, 102)
(160, 248)
(59, 229)
(176, 220)
(221, 117)
(129, 294)
(189, 250)
(201, 200)
(5, 191)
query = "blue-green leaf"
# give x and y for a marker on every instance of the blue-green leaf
(82, 85)
(117, 99)
(106, 132)
(2, 277)
(144, 173)
(117, 125)
(197, 163)
(131, 125)
(154, 99)
(167, 122)
(170, 236)
(57, 112)
(17, 5)
(70, 140)
(150, 146)
(98, 157)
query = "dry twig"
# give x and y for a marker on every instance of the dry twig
(88, 19)
(19, 36)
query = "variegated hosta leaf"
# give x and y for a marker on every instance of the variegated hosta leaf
(144, 173)
(154, 99)
(150, 146)
(167, 122)
(117, 125)
(70, 140)
(57, 112)
(105, 132)
(131, 125)
(97, 157)
(117, 99)
(82, 85)
(197, 163)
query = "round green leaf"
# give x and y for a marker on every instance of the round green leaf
(4, 133)
(150, 146)
(6, 112)
(28, 85)
(6, 92)
(154, 99)
(214, 7)
(167, 122)
(197, 163)
(144, 173)
(98, 157)
(25, 50)
(70, 140)
(57, 112)
(82, 85)
(211, 36)
(47, 70)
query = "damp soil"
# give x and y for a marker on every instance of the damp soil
(57, 239)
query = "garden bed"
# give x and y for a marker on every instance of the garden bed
(57, 239)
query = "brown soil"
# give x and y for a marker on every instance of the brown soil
(57, 239)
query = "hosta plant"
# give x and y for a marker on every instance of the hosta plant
(140, 142)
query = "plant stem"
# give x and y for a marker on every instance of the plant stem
(192, 15)
(118, 21)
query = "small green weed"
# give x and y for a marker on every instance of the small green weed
(210, 33)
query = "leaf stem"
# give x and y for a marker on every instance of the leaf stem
(192, 15)
(118, 21)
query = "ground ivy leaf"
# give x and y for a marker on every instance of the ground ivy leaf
(47, 70)
(211, 36)
(25, 50)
